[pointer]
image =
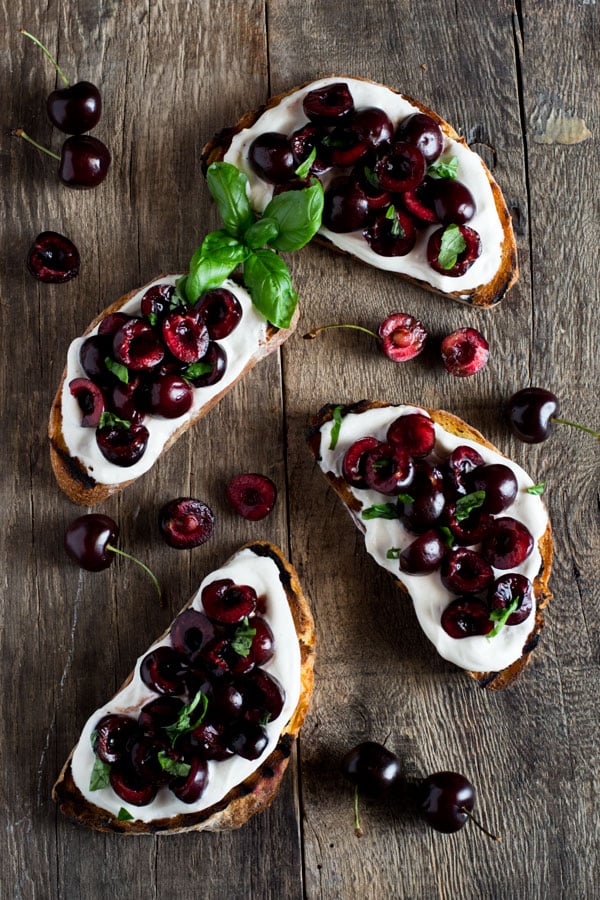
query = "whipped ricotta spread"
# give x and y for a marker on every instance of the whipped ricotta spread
(261, 573)
(477, 653)
(240, 346)
(288, 116)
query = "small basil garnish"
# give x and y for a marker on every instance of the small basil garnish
(100, 775)
(335, 430)
(465, 505)
(501, 616)
(451, 245)
(120, 371)
(381, 511)
(537, 489)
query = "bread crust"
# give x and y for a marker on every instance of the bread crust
(492, 680)
(485, 295)
(256, 792)
(71, 474)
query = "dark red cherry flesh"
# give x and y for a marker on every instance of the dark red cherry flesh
(466, 617)
(507, 543)
(84, 162)
(159, 714)
(343, 147)
(445, 798)
(392, 233)
(228, 603)
(129, 787)
(213, 365)
(190, 631)
(371, 767)
(464, 352)
(508, 588)
(185, 336)
(388, 469)
(76, 108)
(156, 302)
(53, 258)
(353, 464)
(221, 312)
(163, 670)
(466, 572)
(122, 446)
(137, 346)
(186, 522)
(402, 169)
(87, 541)
(419, 203)
(424, 554)
(191, 788)
(424, 132)
(328, 105)
(111, 737)
(414, 433)
(251, 495)
(402, 337)
(469, 530)
(90, 399)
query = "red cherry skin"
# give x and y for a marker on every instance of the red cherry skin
(84, 162)
(87, 538)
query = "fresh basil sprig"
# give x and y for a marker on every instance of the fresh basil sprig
(451, 245)
(172, 766)
(298, 215)
(110, 420)
(444, 168)
(335, 428)
(465, 505)
(269, 282)
(229, 188)
(501, 616)
(381, 511)
(184, 720)
(242, 639)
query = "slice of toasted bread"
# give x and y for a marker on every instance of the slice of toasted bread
(256, 792)
(72, 474)
(484, 286)
(496, 680)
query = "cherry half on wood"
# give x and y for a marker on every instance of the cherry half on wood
(89, 542)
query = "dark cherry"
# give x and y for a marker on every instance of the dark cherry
(90, 399)
(425, 502)
(507, 543)
(419, 203)
(169, 396)
(469, 530)
(263, 642)
(272, 158)
(159, 714)
(124, 399)
(228, 603)
(464, 259)
(464, 352)
(191, 630)
(328, 105)
(130, 787)
(218, 658)
(191, 788)
(346, 206)
(466, 617)
(371, 767)
(251, 495)
(461, 462)
(111, 323)
(221, 312)
(388, 469)
(249, 740)
(373, 125)
(499, 483)
(136, 345)
(163, 670)
(353, 464)
(264, 696)
(156, 301)
(92, 355)
(343, 147)
(76, 108)
(144, 758)
(122, 446)
(111, 737)
(401, 169)
(210, 739)
(452, 201)
(532, 412)
(466, 572)
(227, 701)
(424, 554)
(424, 132)
(414, 433)
(186, 522)
(215, 363)
(402, 336)
(304, 141)
(185, 336)
(88, 541)
(84, 162)
(506, 589)
(445, 799)
(53, 258)
(392, 233)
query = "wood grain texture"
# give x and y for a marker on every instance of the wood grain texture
(171, 74)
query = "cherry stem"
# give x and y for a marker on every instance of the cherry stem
(468, 813)
(139, 563)
(596, 434)
(357, 829)
(48, 54)
(20, 133)
(310, 335)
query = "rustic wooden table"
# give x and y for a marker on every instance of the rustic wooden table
(517, 79)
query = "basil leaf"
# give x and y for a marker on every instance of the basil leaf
(406, 498)
(121, 371)
(99, 777)
(537, 489)
(298, 214)
(465, 505)
(396, 229)
(452, 244)
(269, 281)
(447, 535)
(109, 420)
(172, 767)
(93, 737)
(124, 815)
(224, 246)
(261, 233)
(372, 177)
(446, 168)
(381, 511)
(393, 553)
(208, 273)
(500, 617)
(229, 188)
(242, 639)
(198, 368)
(335, 430)
(184, 720)
(152, 318)
(303, 169)
(179, 295)
(265, 719)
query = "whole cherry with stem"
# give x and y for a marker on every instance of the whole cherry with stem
(401, 336)
(532, 413)
(446, 802)
(84, 160)
(76, 108)
(372, 769)
(89, 541)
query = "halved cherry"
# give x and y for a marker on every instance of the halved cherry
(303, 142)
(466, 572)
(328, 105)
(221, 312)
(137, 346)
(159, 714)
(191, 788)
(90, 399)
(186, 336)
(461, 462)
(469, 529)
(353, 464)
(228, 603)
(112, 735)
(122, 446)
(190, 631)
(388, 469)
(466, 617)
(251, 495)
(419, 203)
(156, 302)
(53, 258)
(392, 233)
(186, 522)
(343, 146)
(454, 264)
(163, 670)
(508, 588)
(130, 787)
(507, 543)
(414, 433)
(403, 337)
(401, 169)
(212, 367)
